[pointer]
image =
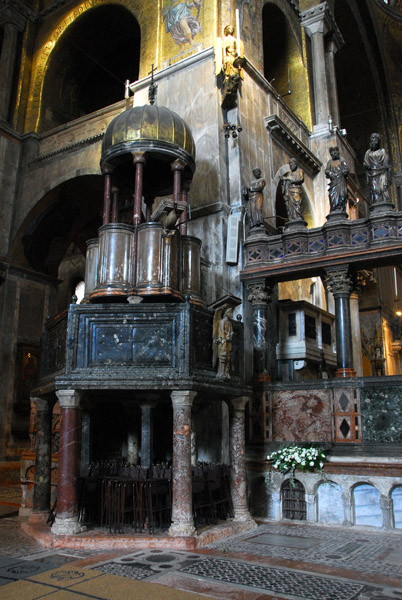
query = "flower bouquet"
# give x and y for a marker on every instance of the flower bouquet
(306, 457)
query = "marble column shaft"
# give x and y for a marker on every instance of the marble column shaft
(182, 512)
(238, 485)
(332, 86)
(259, 294)
(356, 334)
(12, 22)
(43, 457)
(68, 454)
(147, 433)
(339, 282)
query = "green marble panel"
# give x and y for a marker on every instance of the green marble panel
(381, 412)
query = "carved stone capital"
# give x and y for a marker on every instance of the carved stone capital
(10, 14)
(320, 19)
(68, 398)
(182, 398)
(259, 293)
(339, 281)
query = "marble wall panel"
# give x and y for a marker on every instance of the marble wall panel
(381, 414)
(301, 416)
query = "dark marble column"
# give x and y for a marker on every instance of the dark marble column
(182, 513)
(13, 22)
(107, 171)
(339, 281)
(259, 294)
(66, 522)
(43, 458)
(147, 432)
(85, 442)
(237, 459)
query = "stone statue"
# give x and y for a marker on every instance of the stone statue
(254, 196)
(222, 340)
(337, 172)
(291, 182)
(229, 59)
(378, 171)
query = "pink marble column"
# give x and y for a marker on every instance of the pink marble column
(237, 459)
(182, 511)
(66, 522)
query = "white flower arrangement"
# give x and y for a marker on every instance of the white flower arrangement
(305, 458)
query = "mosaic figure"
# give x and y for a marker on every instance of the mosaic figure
(180, 23)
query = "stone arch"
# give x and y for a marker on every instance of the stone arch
(366, 504)
(52, 41)
(396, 497)
(283, 58)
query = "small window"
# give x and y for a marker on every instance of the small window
(311, 330)
(326, 333)
(293, 500)
(292, 330)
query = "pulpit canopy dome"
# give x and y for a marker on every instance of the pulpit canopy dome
(155, 130)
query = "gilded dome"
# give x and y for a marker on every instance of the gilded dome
(156, 130)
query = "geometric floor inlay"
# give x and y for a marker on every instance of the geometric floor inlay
(274, 580)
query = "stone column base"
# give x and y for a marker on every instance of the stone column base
(182, 530)
(345, 373)
(67, 526)
(243, 516)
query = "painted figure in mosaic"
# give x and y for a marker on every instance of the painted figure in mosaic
(254, 196)
(337, 172)
(222, 340)
(291, 182)
(378, 171)
(179, 21)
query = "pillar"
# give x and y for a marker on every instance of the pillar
(356, 334)
(66, 522)
(238, 486)
(115, 204)
(132, 448)
(184, 216)
(315, 21)
(177, 167)
(147, 432)
(85, 442)
(386, 505)
(311, 508)
(333, 45)
(259, 294)
(139, 163)
(182, 512)
(43, 457)
(347, 508)
(339, 282)
(12, 22)
(107, 171)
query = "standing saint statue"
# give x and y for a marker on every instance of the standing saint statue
(291, 182)
(254, 196)
(337, 172)
(222, 340)
(378, 171)
(229, 60)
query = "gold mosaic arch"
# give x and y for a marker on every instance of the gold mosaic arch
(146, 13)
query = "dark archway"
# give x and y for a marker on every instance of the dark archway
(90, 64)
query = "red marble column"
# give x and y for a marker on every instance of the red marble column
(66, 522)
(43, 457)
(182, 512)
(177, 167)
(185, 214)
(115, 205)
(237, 459)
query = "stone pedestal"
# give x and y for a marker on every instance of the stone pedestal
(237, 460)
(66, 522)
(43, 458)
(182, 513)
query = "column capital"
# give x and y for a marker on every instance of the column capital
(68, 398)
(107, 169)
(339, 280)
(318, 19)
(139, 157)
(11, 14)
(177, 165)
(42, 404)
(259, 292)
(182, 398)
(239, 402)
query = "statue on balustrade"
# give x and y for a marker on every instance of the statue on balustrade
(291, 182)
(337, 172)
(222, 340)
(229, 60)
(378, 171)
(254, 196)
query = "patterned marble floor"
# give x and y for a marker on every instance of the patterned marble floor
(278, 561)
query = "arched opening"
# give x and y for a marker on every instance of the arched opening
(396, 496)
(90, 64)
(283, 60)
(366, 504)
(293, 497)
(329, 501)
(360, 106)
